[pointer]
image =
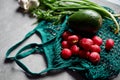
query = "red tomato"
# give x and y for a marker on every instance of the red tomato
(95, 48)
(74, 49)
(66, 53)
(109, 44)
(86, 43)
(65, 44)
(94, 57)
(84, 54)
(73, 39)
(97, 40)
(66, 34)
(87, 54)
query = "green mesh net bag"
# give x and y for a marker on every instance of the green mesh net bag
(50, 34)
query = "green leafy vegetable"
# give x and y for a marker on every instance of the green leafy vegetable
(56, 9)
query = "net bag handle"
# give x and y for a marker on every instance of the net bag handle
(31, 48)
(7, 57)
(29, 34)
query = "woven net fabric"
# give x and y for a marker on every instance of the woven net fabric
(108, 66)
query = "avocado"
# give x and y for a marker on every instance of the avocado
(85, 21)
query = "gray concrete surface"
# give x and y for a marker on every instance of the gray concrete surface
(13, 26)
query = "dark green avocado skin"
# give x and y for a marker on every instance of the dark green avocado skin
(85, 21)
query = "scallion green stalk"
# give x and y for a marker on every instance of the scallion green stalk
(61, 7)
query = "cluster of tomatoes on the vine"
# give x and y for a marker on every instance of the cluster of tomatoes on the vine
(87, 48)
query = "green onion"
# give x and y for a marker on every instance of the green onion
(54, 9)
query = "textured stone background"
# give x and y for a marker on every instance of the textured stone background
(13, 26)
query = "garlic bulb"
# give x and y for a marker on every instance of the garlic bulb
(23, 4)
(26, 4)
(34, 3)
